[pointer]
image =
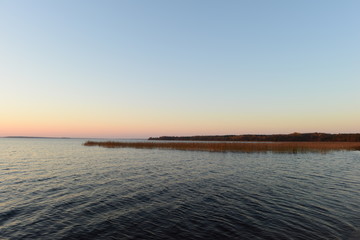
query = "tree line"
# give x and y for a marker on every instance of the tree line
(293, 137)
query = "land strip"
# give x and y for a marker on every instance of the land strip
(282, 147)
(293, 137)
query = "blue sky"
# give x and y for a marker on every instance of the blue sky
(148, 68)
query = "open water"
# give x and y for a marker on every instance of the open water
(59, 189)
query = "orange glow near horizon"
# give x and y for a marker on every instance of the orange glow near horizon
(172, 127)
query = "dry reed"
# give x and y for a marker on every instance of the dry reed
(285, 147)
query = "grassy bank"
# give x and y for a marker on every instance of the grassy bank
(286, 147)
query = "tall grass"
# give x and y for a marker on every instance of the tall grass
(285, 147)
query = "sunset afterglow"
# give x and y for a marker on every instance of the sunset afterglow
(135, 69)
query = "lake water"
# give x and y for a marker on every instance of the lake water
(59, 189)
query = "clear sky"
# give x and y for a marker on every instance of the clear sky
(150, 68)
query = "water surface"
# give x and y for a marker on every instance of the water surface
(59, 189)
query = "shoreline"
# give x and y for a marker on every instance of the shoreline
(293, 137)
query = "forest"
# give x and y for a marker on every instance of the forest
(293, 137)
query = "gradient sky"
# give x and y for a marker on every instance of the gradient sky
(150, 68)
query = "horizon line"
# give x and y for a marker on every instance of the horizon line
(195, 135)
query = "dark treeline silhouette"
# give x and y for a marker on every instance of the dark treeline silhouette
(294, 137)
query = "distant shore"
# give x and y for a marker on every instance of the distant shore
(293, 137)
(37, 137)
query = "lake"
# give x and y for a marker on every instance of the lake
(59, 189)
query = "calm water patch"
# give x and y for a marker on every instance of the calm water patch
(59, 189)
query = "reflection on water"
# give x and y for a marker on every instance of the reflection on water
(59, 189)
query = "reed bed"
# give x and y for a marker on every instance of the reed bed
(282, 147)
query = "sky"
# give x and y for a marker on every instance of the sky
(135, 69)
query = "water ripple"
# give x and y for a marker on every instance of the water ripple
(56, 189)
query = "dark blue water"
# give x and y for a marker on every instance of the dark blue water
(59, 189)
